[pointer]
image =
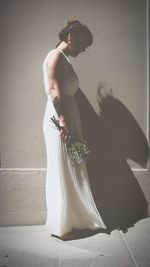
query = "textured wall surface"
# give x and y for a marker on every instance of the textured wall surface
(29, 29)
(117, 60)
(22, 197)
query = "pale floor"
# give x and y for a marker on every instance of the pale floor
(26, 246)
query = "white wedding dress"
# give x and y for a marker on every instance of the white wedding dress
(69, 199)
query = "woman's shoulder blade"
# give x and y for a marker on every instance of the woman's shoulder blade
(53, 57)
(54, 53)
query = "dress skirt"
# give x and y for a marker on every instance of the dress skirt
(69, 199)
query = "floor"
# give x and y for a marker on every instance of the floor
(25, 246)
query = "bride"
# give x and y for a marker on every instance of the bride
(69, 200)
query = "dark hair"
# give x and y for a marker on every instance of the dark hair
(77, 30)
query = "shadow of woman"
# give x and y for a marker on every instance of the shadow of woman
(113, 137)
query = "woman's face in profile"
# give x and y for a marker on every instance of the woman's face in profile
(77, 46)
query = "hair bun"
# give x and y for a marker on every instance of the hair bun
(72, 20)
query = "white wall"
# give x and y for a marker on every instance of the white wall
(29, 29)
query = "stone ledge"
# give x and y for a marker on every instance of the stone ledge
(22, 196)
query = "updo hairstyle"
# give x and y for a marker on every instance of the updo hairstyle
(77, 30)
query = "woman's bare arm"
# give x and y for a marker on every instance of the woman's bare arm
(53, 66)
(54, 78)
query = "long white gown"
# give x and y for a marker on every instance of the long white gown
(69, 199)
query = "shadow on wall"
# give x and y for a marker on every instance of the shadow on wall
(114, 137)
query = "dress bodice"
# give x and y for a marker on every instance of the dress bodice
(69, 79)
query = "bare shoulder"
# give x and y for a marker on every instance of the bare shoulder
(54, 59)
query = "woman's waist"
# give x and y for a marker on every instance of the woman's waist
(69, 103)
(65, 97)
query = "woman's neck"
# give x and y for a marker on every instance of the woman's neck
(64, 47)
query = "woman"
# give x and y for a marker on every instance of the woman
(70, 204)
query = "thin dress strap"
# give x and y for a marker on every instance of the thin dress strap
(63, 54)
(59, 51)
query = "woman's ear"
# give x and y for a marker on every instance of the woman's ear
(70, 39)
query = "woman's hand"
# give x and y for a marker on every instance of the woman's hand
(64, 132)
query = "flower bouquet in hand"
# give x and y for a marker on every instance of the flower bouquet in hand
(77, 150)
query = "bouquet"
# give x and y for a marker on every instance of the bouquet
(77, 150)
